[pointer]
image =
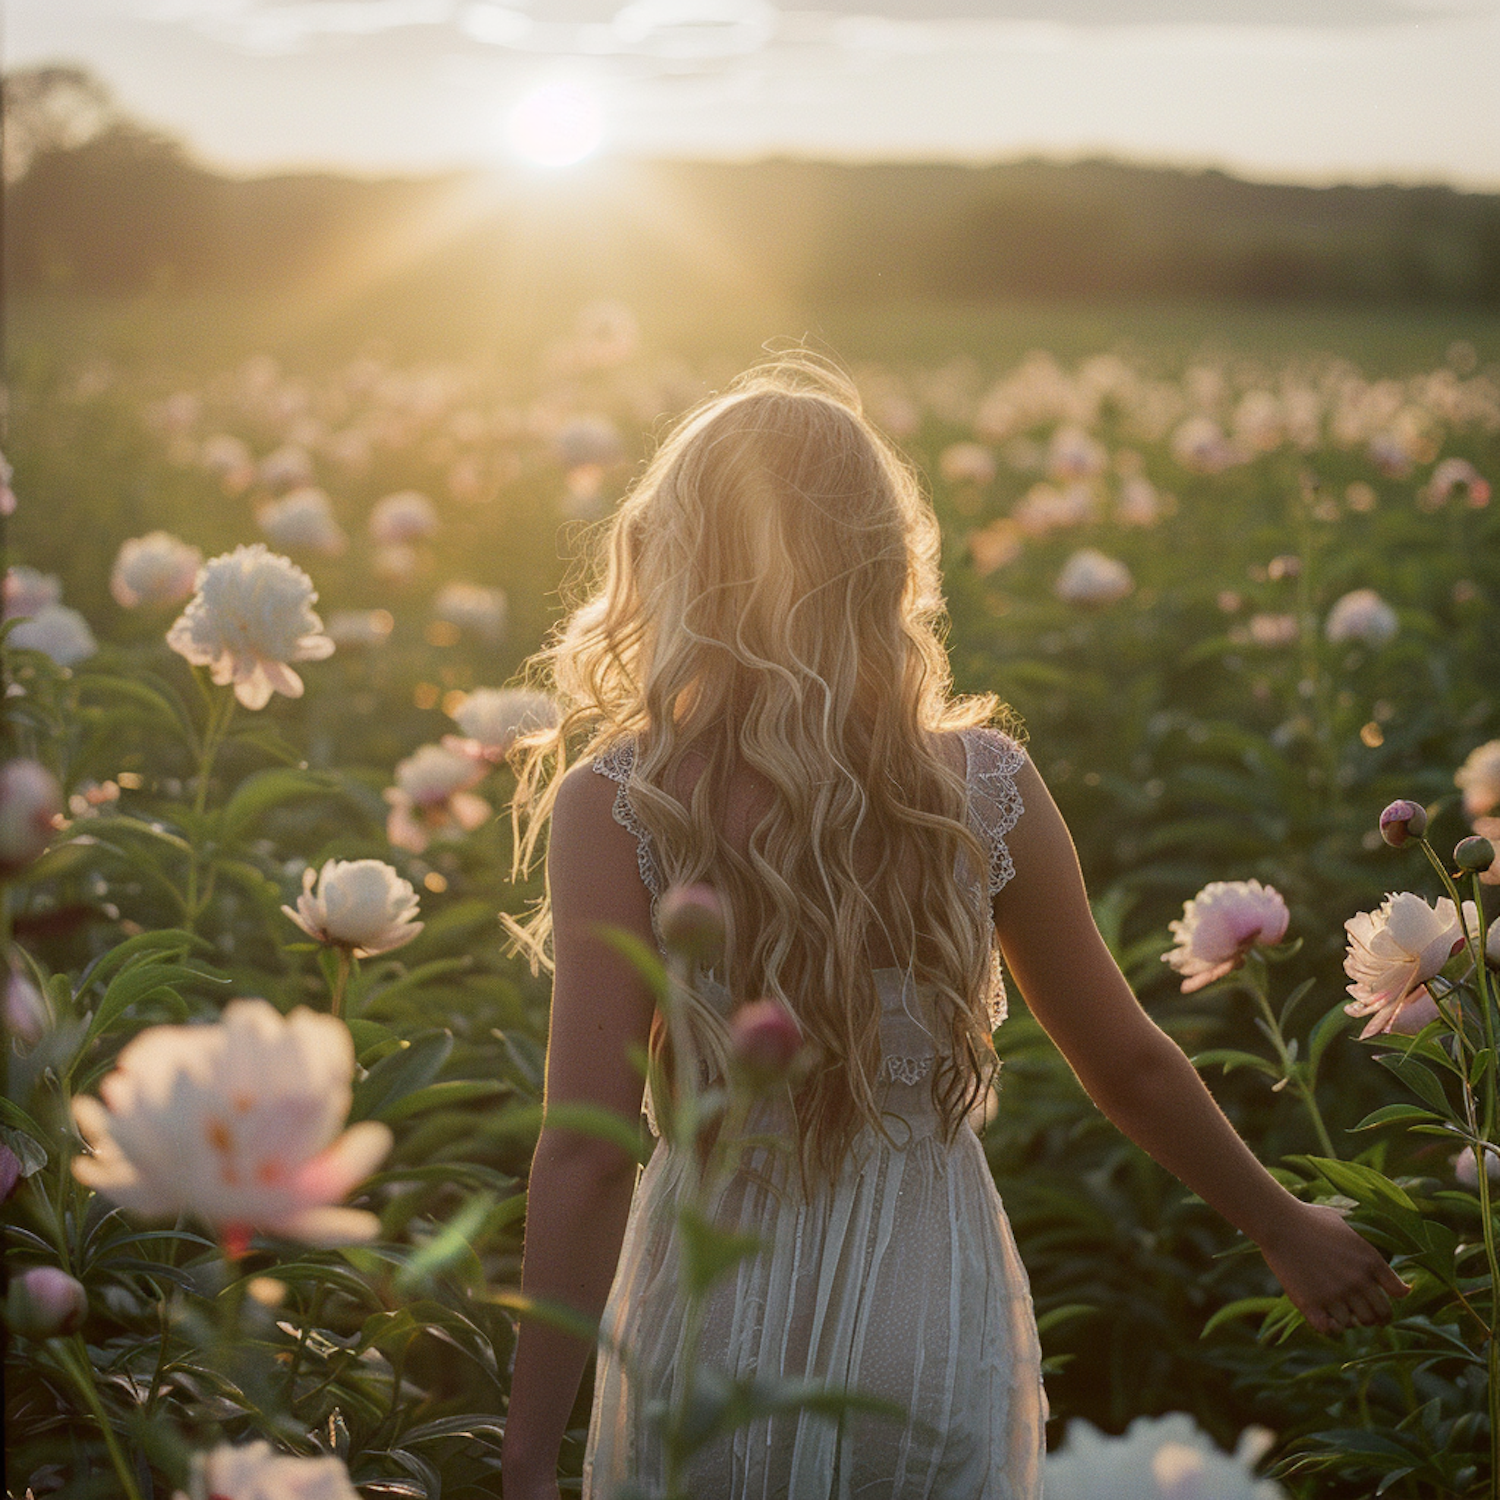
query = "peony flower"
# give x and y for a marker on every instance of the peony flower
(431, 797)
(406, 516)
(492, 719)
(31, 807)
(27, 591)
(1402, 820)
(1479, 779)
(690, 919)
(360, 627)
(1199, 444)
(251, 616)
(360, 904)
(1492, 937)
(1466, 1168)
(156, 568)
(588, 440)
(1219, 927)
(1073, 455)
(255, 1471)
(303, 519)
(236, 1123)
(1045, 508)
(1393, 952)
(764, 1041)
(966, 463)
(28, 1016)
(287, 468)
(1157, 1458)
(1454, 474)
(44, 1303)
(994, 546)
(58, 632)
(474, 608)
(1361, 616)
(1089, 577)
(1139, 502)
(1272, 630)
(1474, 854)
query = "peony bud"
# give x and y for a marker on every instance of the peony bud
(1474, 854)
(1403, 820)
(10, 1171)
(30, 806)
(45, 1302)
(764, 1040)
(691, 921)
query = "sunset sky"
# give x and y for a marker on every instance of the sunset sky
(1309, 90)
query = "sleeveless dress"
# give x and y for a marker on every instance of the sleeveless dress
(900, 1280)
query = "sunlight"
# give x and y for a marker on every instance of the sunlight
(556, 124)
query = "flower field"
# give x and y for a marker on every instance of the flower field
(273, 1078)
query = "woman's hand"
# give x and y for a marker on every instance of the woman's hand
(1334, 1276)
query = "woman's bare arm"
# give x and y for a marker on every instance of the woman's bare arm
(1140, 1078)
(580, 1185)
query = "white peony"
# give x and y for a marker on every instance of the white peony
(58, 632)
(255, 1471)
(1073, 455)
(1361, 616)
(1479, 779)
(286, 468)
(28, 591)
(966, 463)
(1157, 1458)
(236, 1123)
(492, 719)
(1220, 925)
(360, 627)
(406, 516)
(471, 607)
(251, 616)
(1393, 952)
(303, 519)
(1089, 577)
(359, 904)
(157, 568)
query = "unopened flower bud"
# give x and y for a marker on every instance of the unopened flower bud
(1403, 820)
(1474, 853)
(764, 1040)
(45, 1302)
(30, 806)
(691, 919)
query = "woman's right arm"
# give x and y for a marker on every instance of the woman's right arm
(1140, 1078)
(581, 1185)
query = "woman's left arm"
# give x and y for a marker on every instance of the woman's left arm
(1142, 1081)
(581, 1185)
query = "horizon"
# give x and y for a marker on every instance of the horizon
(1321, 94)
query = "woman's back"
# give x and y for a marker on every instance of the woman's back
(897, 1277)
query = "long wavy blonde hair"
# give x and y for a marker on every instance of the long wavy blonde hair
(770, 599)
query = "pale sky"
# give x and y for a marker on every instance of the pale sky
(1307, 90)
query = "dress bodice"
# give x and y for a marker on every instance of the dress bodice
(912, 1038)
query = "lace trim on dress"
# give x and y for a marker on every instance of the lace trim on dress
(994, 802)
(907, 1070)
(618, 764)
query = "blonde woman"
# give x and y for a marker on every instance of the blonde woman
(766, 703)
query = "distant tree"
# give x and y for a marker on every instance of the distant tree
(55, 108)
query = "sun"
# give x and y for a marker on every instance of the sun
(556, 123)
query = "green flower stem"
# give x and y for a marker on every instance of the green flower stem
(1257, 983)
(72, 1354)
(341, 982)
(220, 712)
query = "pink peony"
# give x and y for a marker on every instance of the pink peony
(691, 921)
(431, 798)
(1393, 952)
(157, 568)
(764, 1040)
(236, 1123)
(1478, 778)
(1219, 927)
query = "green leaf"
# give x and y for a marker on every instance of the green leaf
(642, 958)
(446, 1095)
(25, 1147)
(402, 1073)
(1419, 1078)
(452, 1243)
(1232, 1058)
(1244, 1307)
(1297, 996)
(604, 1124)
(140, 981)
(541, 1310)
(1389, 1113)
(1069, 1312)
(709, 1252)
(265, 790)
(1332, 1024)
(1364, 1184)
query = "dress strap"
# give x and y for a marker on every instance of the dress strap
(991, 762)
(618, 764)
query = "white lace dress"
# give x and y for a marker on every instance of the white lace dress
(901, 1280)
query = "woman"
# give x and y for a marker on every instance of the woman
(770, 711)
